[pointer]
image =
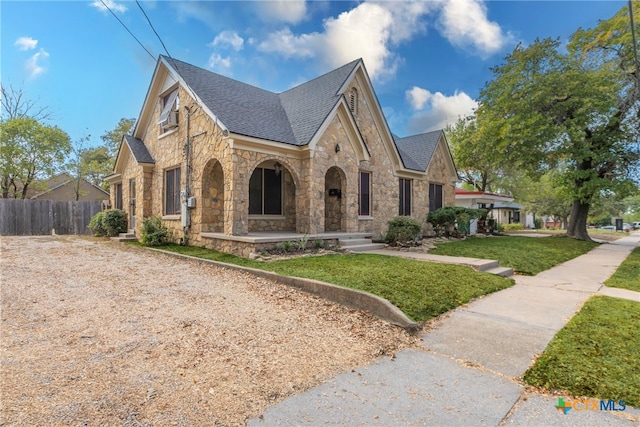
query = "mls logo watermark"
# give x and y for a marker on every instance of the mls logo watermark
(589, 405)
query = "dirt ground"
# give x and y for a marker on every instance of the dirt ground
(100, 333)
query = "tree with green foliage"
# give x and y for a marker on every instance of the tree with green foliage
(29, 150)
(113, 138)
(578, 109)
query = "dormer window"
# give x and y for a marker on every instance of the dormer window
(353, 101)
(169, 114)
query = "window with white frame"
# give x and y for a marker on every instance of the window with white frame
(168, 116)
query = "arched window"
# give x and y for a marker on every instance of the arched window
(353, 101)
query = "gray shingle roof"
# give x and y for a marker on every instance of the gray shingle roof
(416, 151)
(138, 149)
(292, 117)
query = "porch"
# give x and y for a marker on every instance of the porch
(257, 241)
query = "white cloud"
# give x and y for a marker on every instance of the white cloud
(287, 44)
(33, 64)
(219, 64)
(368, 31)
(288, 11)
(115, 7)
(441, 110)
(26, 43)
(230, 38)
(466, 25)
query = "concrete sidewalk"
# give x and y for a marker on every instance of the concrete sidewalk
(468, 368)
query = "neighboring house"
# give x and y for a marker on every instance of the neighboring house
(483, 200)
(506, 212)
(62, 188)
(224, 162)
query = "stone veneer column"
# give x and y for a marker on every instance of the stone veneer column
(237, 198)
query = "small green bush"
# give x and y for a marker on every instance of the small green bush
(97, 225)
(154, 233)
(537, 223)
(108, 223)
(402, 229)
(513, 227)
(114, 222)
(445, 219)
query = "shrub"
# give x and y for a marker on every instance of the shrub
(513, 227)
(154, 233)
(445, 219)
(114, 222)
(537, 223)
(97, 225)
(402, 229)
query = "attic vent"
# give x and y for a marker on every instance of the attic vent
(168, 116)
(353, 101)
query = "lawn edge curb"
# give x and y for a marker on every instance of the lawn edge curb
(361, 300)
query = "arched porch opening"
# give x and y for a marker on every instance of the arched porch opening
(334, 199)
(272, 198)
(213, 197)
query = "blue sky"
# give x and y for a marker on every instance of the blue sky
(428, 60)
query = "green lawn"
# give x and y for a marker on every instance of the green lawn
(595, 354)
(526, 255)
(627, 276)
(420, 289)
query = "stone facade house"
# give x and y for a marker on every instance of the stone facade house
(230, 166)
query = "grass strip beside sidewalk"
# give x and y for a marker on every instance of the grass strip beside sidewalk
(595, 354)
(627, 276)
(526, 255)
(422, 290)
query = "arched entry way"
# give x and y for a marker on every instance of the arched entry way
(213, 197)
(334, 200)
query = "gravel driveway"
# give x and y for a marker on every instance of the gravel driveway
(100, 333)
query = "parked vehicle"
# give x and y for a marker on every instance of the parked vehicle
(608, 227)
(635, 225)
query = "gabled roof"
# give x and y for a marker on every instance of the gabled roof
(61, 180)
(291, 117)
(416, 151)
(138, 149)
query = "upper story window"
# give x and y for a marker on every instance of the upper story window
(169, 114)
(405, 197)
(353, 100)
(364, 197)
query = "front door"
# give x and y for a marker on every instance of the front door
(333, 201)
(132, 204)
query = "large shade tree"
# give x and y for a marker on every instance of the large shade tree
(576, 107)
(29, 151)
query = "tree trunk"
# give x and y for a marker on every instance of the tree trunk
(578, 221)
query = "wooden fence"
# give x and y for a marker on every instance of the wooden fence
(20, 217)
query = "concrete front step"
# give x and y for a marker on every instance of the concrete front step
(500, 271)
(125, 237)
(365, 248)
(345, 243)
